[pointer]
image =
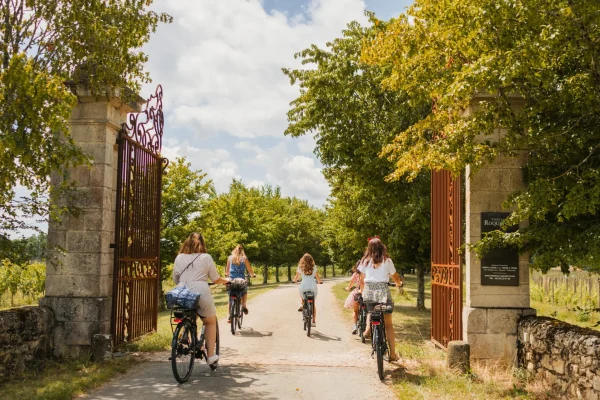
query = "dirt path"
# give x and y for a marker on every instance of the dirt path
(271, 358)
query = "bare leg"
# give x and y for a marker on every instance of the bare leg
(210, 334)
(355, 314)
(389, 333)
(314, 311)
(368, 328)
(244, 298)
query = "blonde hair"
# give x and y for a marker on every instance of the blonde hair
(238, 254)
(306, 264)
(193, 244)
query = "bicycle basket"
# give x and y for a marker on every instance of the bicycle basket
(238, 285)
(182, 297)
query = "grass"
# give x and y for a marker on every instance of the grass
(423, 374)
(161, 339)
(62, 380)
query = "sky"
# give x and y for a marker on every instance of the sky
(225, 97)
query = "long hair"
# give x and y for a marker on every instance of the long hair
(306, 264)
(376, 253)
(237, 254)
(193, 244)
(355, 267)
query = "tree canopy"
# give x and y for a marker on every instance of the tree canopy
(342, 102)
(545, 52)
(43, 44)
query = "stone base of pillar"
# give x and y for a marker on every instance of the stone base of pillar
(492, 332)
(77, 320)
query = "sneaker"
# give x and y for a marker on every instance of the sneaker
(212, 360)
(300, 308)
(228, 320)
(245, 310)
(313, 324)
(354, 330)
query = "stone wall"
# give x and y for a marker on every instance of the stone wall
(565, 357)
(25, 334)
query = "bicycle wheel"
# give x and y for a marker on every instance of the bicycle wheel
(233, 316)
(379, 343)
(309, 314)
(362, 324)
(240, 314)
(182, 352)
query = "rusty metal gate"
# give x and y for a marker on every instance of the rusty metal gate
(137, 230)
(446, 274)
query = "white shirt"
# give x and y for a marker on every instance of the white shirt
(382, 273)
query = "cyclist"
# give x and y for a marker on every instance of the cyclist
(376, 269)
(351, 299)
(237, 264)
(192, 267)
(310, 277)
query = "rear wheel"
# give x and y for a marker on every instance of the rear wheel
(233, 315)
(182, 352)
(240, 314)
(379, 343)
(362, 324)
(309, 312)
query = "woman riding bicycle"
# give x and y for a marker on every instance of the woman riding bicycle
(310, 276)
(192, 267)
(376, 269)
(237, 264)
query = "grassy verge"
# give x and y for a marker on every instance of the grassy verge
(161, 339)
(62, 380)
(423, 375)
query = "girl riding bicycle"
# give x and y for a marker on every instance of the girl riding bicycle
(310, 276)
(376, 269)
(351, 299)
(237, 264)
(192, 267)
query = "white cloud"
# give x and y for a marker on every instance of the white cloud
(220, 61)
(217, 163)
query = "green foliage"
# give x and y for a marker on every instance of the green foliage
(342, 102)
(185, 194)
(43, 44)
(28, 279)
(545, 53)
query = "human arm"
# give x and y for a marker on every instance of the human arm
(317, 277)
(213, 274)
(296, 277)
(228, 266)
(176, 274)
(362, 283)
(249, 268)
(396, 278)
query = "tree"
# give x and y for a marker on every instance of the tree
(185, 194)
(42, 45)
(342, 102)
(443, 53)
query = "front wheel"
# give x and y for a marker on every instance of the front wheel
(362, 323)
(240, 316)
(217, 346)
(183, 352)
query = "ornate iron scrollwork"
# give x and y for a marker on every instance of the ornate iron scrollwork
(146, 127)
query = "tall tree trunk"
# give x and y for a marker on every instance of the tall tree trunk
(265, 274)
(277, 274)
(289, 272)
(333, 269)
(324, 272)
(421, 287)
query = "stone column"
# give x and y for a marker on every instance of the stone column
(79, 280)
(491, 312)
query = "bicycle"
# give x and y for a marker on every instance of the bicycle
(378, 338)
(308, 310)
(362, 318)
(186, 346)
(236, 314)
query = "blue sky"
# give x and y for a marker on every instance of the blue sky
(225, 97)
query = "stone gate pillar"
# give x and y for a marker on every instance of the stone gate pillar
(497, 287)
(79, 281)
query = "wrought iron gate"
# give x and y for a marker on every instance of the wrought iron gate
(137, 230)
(446, 274)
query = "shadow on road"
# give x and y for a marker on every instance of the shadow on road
(326, 338)
(249, 332)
